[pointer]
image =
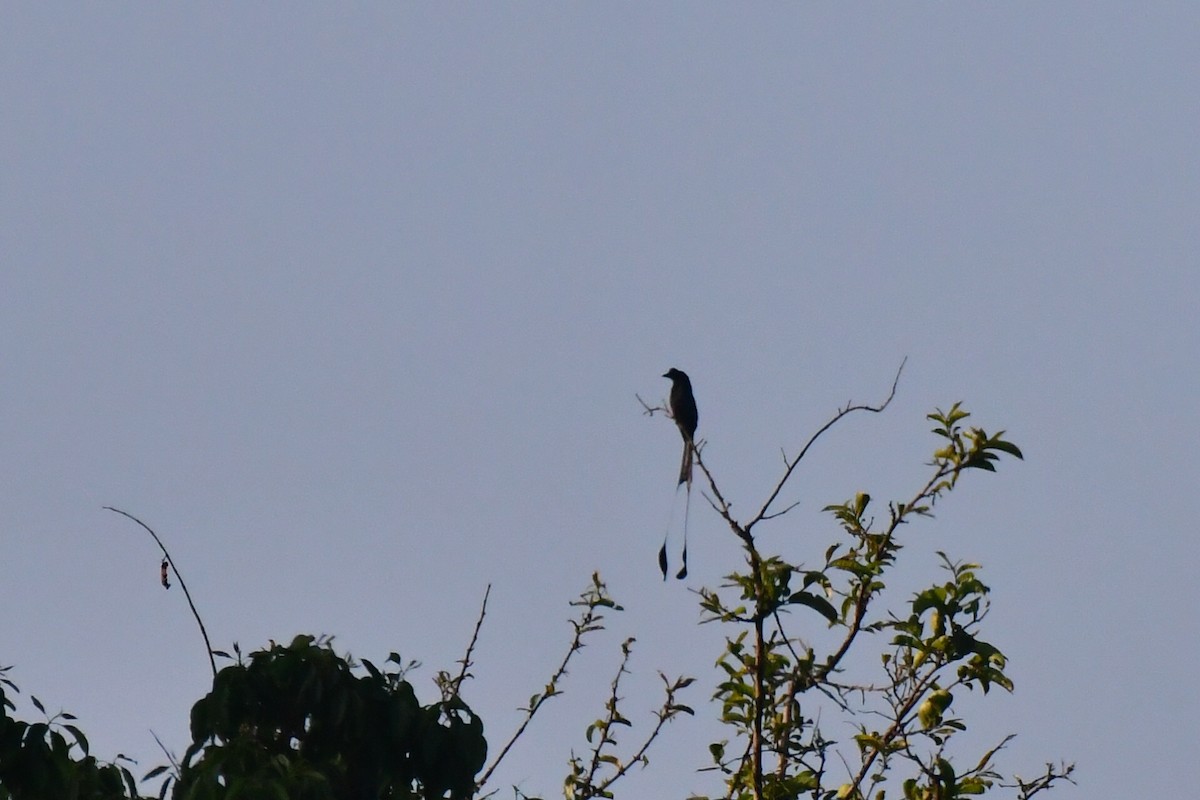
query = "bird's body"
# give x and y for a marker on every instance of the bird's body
(687, 417)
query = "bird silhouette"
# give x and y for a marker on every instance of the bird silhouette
(683, 410)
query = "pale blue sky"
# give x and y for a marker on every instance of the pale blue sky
(351, 306)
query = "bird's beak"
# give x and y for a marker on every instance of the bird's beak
(666, 374)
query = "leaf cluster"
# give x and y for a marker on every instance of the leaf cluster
(50, 758)
(298, 721)
(596, 773)
(776, 685)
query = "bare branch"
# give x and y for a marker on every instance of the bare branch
(170, 756)
(721, 505)
(901, 720)
(1051, 776)
(595, 597)
(207, 644)
(793, 463)
(775, 514)
(652, 410)
(452, 687)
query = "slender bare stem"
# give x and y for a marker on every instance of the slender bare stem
(170, 756)
(182, 585)
(456, 684)
(793, 463)
(589, 621)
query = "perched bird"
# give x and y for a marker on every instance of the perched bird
(683, 409)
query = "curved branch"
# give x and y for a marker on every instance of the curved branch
(764, 512)
(207, 644)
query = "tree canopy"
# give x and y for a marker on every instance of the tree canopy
(302, 721)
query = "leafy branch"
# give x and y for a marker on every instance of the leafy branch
(583, 782)
(767, 694)
(592, 601)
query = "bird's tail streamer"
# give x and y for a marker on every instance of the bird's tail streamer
(663, 561)
(687, 505)
(662, 552)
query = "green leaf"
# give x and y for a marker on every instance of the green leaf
(933, 597)
(130, 783)
(1007, 447)
(80, 739)
(816, 603)
(931, 710)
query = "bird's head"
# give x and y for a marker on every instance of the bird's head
(675, 374)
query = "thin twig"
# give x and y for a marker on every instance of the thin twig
(793, 463)
(775, 514)
(167, 753)
(900, 721)
(664, 715)
(651, 409)
(466, 659)
(589, 621)
(207, 644)
(533, 709)
(720, 504)
(606, 729)
(865, 587)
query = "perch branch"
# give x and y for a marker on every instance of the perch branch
(207, 644)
